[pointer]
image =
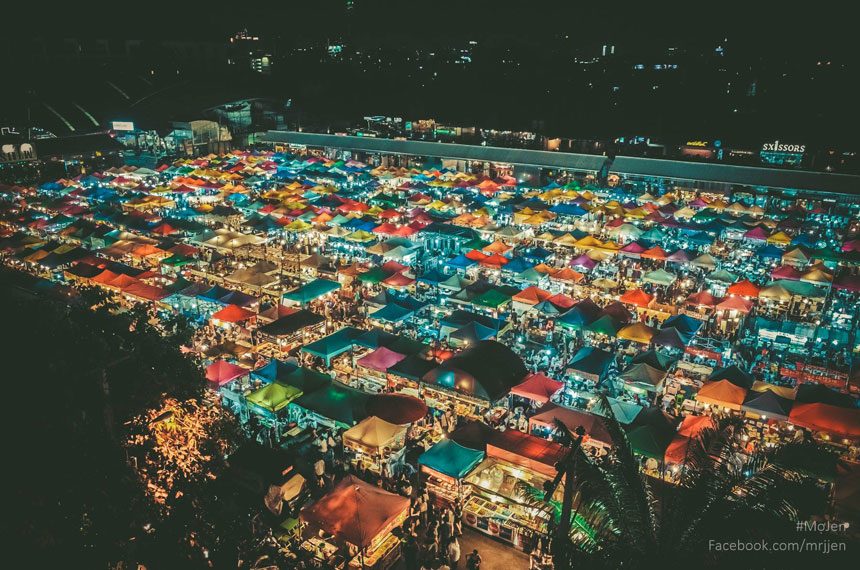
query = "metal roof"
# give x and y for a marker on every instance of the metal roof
(627, 165)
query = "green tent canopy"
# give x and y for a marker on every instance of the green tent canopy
(312, 290)
(451, 459)
(337, 402)
(273, 397)
(649, 441)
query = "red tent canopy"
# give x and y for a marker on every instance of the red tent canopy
(745, 288)
(839, 421)
(735, 303)
(537, 387)
(221, 372)
(356, 512)
(637, 297)
(593, 424)
(233, 314)
(692, 426)
(529, 451)
(702, 299)
(400, 409)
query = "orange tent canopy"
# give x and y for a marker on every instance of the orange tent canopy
(722, 393)
(836, 420)
(532, 295)
(636, 297)
(233, 314)
(745, 288)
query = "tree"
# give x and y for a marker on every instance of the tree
(624, 519)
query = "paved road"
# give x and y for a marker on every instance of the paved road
(496, 555)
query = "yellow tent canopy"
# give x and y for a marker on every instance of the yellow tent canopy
(373, 433)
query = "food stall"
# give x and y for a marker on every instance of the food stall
(444, 466)
(507, 489)
(356, 520)
(374, 365)
(375, 444)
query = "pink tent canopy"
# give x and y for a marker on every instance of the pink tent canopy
(757, 233)
(537, 387)
(381, 359)
(786, 272)
(221, 372)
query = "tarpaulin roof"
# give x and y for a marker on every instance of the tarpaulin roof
(592, 423)
(400, 409)
(355, 511)
(312, 290)
(768, 404)
(333, 344)
(733, 374)
(722, 393)
(637, 297)
(744, 288)
(274, 396)
(273, 370)
(537, 387)
(221, 372)
(380, 359)
(233, 314)
(529, 451)
(836, 420)
(649, 441)
(637, 332)
(451, 458)
(336, 402)
(486, 370)
(292, 323)
(644, 376)
(591, 362)
(374, 433)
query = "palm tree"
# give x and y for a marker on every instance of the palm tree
(624, 519)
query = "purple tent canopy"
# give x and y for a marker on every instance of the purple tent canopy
(584, 262)
(669, 337)
(679, 256)
(381, 359)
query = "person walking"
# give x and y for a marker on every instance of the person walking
(473, 562)
(454, 553)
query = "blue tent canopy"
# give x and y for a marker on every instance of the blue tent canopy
(273, 370)
(460, 262)
(770, 252)
(568, 210)
(451, 459)
(684, 323)
(333, 344)
(312, 290)
(392, 313)
(517, 265)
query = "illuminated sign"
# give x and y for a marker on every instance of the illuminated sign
(697, 143)
(777, 146)
(122, 126)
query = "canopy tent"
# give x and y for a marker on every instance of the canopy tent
(451, 459)
(412, 367)
(222, 372)
(538, 388)
(273, 397)
(644, 377)
(637, 297)
(784, 391)
(722, 393)
(399, 409)
(625, 412)
(310, 291)
(768, 404)
(373, 433)
(836, 420)
(355, 511)
(733, 374)
(232, 314)
(591, 423)
(273, 370)
(380, 359)
(605, 325)
(528, 451)
(591, 362)
(332, 345)
(336, 402)
(650, 441)
(688, 433)
(637, 332)
(659, 277)
(654, 359)
(487, 371)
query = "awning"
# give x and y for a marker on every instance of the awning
(451, 459)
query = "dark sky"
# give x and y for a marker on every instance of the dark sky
(790, 27)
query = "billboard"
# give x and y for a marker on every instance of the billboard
(122, 126)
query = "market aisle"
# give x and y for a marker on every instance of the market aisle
(496, 555)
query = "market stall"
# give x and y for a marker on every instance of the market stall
(506, 490)
(445, 465)
(357, 519)
(376, 445)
